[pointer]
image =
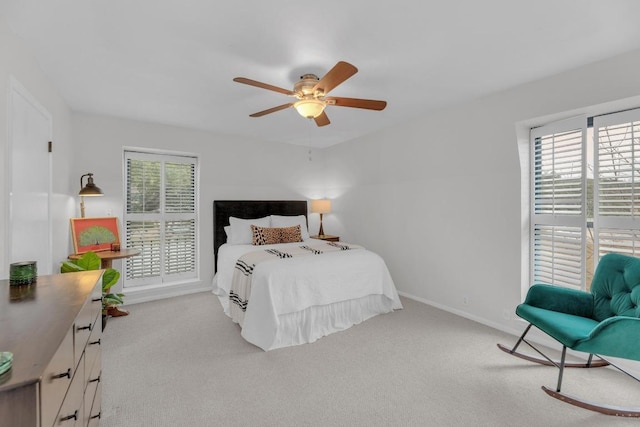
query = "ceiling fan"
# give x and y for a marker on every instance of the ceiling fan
(311, 93)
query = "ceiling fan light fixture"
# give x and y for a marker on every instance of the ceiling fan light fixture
(309, 108)
(310, 92)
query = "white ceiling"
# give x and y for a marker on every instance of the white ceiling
(173, 62)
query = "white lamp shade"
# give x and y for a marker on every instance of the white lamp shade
(322, 206)
(309, 108)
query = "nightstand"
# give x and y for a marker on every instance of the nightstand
(327, 237)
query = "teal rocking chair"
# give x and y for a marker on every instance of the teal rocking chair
(603, 322)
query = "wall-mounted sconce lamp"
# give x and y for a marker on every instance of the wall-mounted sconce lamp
(89, 190)
(321, 206)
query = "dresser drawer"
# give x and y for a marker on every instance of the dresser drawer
(96, 294)
(85, 322)
(96, 409)
(93, 384)
(94, 344)
(56, 380)
(72, 409)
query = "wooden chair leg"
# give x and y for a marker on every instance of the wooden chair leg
(619, 411)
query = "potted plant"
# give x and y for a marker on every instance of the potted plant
(91, 261)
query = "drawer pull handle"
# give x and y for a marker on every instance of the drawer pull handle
(65, 374)
(95, 342)
(96, 299)
(95, 380)
(82, 328)
(70, 417)
(96, 416)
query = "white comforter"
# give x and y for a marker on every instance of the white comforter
(290, 286)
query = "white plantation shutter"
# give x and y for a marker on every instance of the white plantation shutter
(617, 187)
(143, 186)
(558, 203)
(558, 255)
(179, 187)
(180, 224)
(623, 241)
(160, 218)
(180, 238)
(145, 236)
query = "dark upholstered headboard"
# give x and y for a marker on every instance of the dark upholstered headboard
(248, 209)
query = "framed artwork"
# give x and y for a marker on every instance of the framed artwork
(94, 234)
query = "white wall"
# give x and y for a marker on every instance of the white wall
(440, 196)
(230, 168)
(17, 61)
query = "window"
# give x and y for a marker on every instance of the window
(585, 196)
(558, 225)
(160, 218)
(617, 187)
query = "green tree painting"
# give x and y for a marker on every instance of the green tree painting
(96, 235)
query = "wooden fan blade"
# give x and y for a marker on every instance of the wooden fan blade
(338, 74)
(263, 85)
(322, 119)
(368, 104)
(271, 110)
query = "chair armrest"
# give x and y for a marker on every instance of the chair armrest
(563, 300)
(616, 336)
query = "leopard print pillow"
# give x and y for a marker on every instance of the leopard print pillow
(265, 235)
(271, 235)
(290, 234)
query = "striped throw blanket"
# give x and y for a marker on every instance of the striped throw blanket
(242, 275)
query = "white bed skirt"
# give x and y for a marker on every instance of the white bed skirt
(313, 323)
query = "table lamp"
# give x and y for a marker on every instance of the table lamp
(321, 206)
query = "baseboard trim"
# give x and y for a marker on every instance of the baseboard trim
(464, 314)
(534, 336)
(134, 296)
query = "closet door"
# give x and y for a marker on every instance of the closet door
(29, 230)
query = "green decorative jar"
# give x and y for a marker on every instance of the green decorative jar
(23, 273)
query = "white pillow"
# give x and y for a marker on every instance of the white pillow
(282, 221)
(241, 233)
(227, 231)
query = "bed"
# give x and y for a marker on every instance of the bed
(301, 291)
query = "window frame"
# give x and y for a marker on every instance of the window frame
(627, 226)
(627, 223)
(555, 220)
(163, 279)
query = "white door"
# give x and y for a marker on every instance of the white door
(30, 128)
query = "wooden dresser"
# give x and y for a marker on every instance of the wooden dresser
(53, 330)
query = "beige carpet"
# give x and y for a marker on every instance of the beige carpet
(182, 362)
